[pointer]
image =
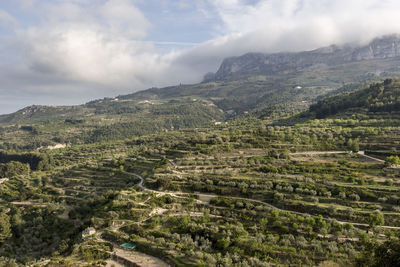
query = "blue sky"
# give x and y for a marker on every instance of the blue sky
(185, 23)
(71, 51)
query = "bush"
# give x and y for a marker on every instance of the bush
(90, 254)
(14, 168)
(389, 182)
(268, 169)
(392, 160)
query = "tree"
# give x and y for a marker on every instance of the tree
(285, 154)
(273, 154)
(264, 225)
(353, 145)
(389, 182)
(342, 195)
(163, 183)
(13, 168)
(386, 254)
(376, 218)
(392, 160)
(7, 262)
(5, 227)
(223, 243)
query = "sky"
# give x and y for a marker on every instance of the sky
(59, 52)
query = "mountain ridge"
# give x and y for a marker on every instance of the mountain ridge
(290, 62)
(175, 107)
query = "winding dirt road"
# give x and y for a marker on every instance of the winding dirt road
(145, 258)
(361, 153)
(179, 194)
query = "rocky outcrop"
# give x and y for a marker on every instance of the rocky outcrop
(285, 63)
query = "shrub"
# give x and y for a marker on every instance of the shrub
(268, 169)
(392, 160)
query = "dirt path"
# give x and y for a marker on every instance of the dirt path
(132, 256)
(362, 153)
(140, 259)
(319, 152)
(111, 263)
(28, 203)
(209, 196)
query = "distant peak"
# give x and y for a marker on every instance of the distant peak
(249, 64)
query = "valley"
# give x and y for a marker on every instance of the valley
(299, 168)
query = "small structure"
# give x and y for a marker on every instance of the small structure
(146, 102)
(2, 180)
(128, 246)
(88, 232)
(57, 146)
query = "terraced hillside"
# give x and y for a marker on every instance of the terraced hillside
(264, 94)
(237, 193)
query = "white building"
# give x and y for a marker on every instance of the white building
(88, 232)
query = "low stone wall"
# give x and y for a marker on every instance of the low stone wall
(124, 261)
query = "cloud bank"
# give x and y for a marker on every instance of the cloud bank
(70, 51)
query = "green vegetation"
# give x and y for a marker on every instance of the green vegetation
(227, 179)
(171, 174)
(13, 168)
(393, 160)
(378, 97)
(36, 161)
(376, 254)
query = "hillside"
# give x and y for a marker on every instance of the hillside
(287, 155)
(244, 194)
(160, 171)
(378, 97)
(254, 90)
(287, 82)
(105, 120)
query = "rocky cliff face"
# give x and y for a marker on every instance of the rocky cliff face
(285, 63)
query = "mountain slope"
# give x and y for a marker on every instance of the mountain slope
(378, 97)
(102, 120)
(253, 82)
(289, 83)
(286, 63)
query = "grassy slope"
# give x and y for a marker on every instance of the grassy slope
(184, 106)
(378, 97)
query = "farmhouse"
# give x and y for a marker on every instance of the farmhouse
(88, 232)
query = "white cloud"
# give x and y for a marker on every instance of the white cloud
(6, 20)
(121, 15)
(83, 54)
(275, 25)
(89, 47)
(289, 25)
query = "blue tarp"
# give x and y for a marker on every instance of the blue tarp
(128, 245)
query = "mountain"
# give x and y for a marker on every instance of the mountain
(287, 63)
(289, 81)
(272, 87)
